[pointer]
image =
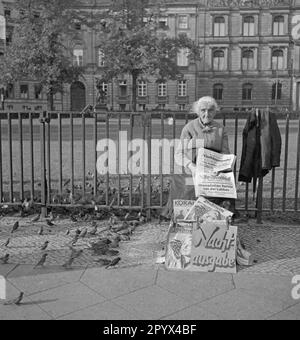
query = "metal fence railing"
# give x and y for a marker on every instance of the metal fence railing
(59, 159)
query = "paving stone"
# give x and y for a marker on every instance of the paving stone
(192, 313)
(194, 287)
(117, 282)
(239, 305)
(6, 269)
(286, 315)
(152, 303)
(66, 299)
(103, 311)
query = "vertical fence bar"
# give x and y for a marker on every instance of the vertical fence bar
(60, 175)
(83, 155)
(236, 127)
(21, 194)
(43, 168)
(95, 155)
(1, 172)
(173, 144)
(10, 160)
(118, 163)
(297, 169)
(273, 189)
(259, 204)
(48, 183)
(285, 161)
(161, 152)
(107, 174)
(149, 189)
(247, 198)
(31, 156)
(72, 153)
(131, 165)
(144, 120)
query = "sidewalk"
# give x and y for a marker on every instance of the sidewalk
(139, 289)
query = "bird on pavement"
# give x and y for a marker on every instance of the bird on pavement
(6, 243)
(69, 263)
(4, 259)
(83, 233)
(45, 245)
(93, 232)
(35, 219)
(15, 301)
(15, 227)
(104, 262)
(41, 262)
(111, 252)
(49, 223)
(75, 254)
(41, 231)
(68, 232)
(113, 263)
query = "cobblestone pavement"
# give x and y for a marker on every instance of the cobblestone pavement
(275, 247)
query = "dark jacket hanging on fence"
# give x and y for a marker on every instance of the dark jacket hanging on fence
(261, 146)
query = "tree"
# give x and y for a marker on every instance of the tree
(39, 49)
(133, 44)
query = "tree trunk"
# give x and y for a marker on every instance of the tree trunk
(134, 90)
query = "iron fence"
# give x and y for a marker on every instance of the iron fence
(52, 158)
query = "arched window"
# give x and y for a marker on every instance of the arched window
(248, 59)
(219, 27)
(248, 26)
(277, 60)
(218, 91)
(278, 25)
(219, 60)
(247, 91)
(276, 91)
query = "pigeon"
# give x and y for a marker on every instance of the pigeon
(41, 231)
(6, 243)
(93, 232)
(73, 219)
(103, 262)
(15, 227)
(15, 301)
(111, 252)
(45, 245)
(4, 259)
(113, 263)
(78, 232)
(68, 232)
(75, 254)
(69, 263)
(49, 223)
(35, 219)
(75, 239)
(41, 261)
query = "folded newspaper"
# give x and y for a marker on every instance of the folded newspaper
(214, 176)
(206, 210)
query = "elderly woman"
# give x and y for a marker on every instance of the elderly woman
(201, 130)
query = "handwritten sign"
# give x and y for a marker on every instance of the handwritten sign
(181, 208)
(214, 247)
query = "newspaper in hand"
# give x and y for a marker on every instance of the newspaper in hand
(211, 178)
(181, 208)
(206, 210)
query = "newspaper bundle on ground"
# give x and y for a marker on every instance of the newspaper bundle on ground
(181, 208)
(212, 178)
(214, 247)
(179, 245)
(207, 211)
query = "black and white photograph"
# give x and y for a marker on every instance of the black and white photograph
(149, 163)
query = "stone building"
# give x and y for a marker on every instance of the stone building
(249, 57)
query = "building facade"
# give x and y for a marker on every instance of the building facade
(249, 57)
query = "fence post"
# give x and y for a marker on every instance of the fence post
(259, 201)
(149, 140)
(43, 165)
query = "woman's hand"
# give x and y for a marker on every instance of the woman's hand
(193, 168)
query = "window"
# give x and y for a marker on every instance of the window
(219, 60)
(247, 92)
(142, 88)
(9, 93)
(278, 25)
(38, 108)
(77, 25)
(183, 22)
(277, 60)
(181, 107)
(248, 59)
(122, 107)
(103, 88)
(218, 91)
(38, 94)
(7, 12)
(162, 89)
(183, 57)
(100, 58)
(219, 27)
(182, 88)
(24, 91)
(163, 23)
(123, 88)
(248, 26)
(9, 34)
(161, 106)
(276, 90)
(78, 57)
(142, 107)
